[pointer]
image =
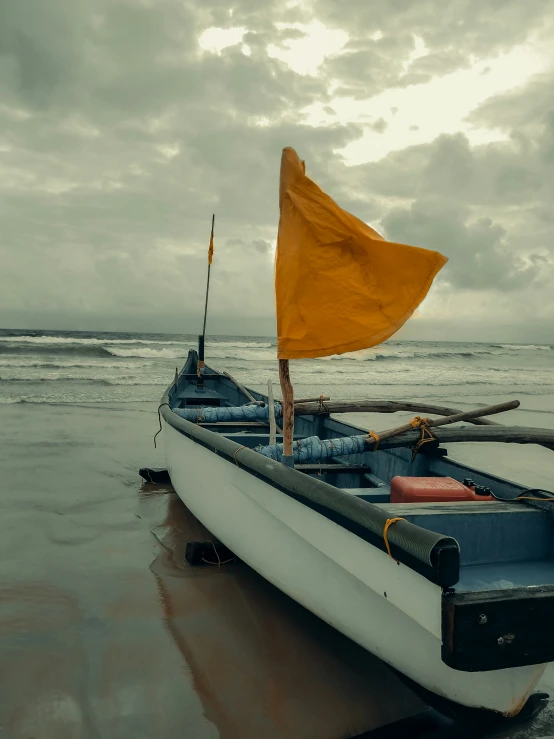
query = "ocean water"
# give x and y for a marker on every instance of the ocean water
(103, 629)
(70, 367)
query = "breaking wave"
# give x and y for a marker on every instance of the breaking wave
(7, 363)
(63, 340)
(133, 349)
(528, 347)
(362, 357)
(86, 350)
(88, 380)
(147, 353)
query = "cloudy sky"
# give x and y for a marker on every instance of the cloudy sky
(125, 123)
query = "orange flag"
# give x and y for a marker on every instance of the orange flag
(211, 248)
(339, 285)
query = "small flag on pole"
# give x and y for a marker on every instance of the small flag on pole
(211, 249)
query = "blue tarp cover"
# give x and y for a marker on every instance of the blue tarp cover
(211, 414)
(314, 449)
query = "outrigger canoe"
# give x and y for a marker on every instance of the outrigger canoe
(457, 597)
(442, 571)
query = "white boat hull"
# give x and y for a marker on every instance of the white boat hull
(387, 608)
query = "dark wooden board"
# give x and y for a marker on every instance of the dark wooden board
(498, 629)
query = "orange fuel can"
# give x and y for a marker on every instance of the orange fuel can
(435, 490)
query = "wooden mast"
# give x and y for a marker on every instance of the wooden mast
(288, 412)
(271, 412)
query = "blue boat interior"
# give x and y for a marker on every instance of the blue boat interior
(503, 545)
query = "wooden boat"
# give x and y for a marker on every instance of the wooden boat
(457, 597)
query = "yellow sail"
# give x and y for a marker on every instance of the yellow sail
(339, 285)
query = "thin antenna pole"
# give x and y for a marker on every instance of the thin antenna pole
(210, 252)
(202, 337)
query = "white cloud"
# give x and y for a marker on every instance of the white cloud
(425, 111)
(306, 54)
(216, 39)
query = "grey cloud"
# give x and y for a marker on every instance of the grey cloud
(521, 107)
(380, 125)
(499, 174)
(480, 258)
(455, 34)
(262, 246)
(368, 66)
(471, 26)
(425, 68)
(39, 49)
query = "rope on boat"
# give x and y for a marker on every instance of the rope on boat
(426, 436)
(160, 422)
(524, 496)
(235, 454)
(417, 422)
(376, 438)
(219, 563)
(388, 523)
(322, 407)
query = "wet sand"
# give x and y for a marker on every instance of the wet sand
(106, 632)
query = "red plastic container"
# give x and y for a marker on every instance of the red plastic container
(431, 490)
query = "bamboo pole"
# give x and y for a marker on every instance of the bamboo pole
(445, 435)
(310, 400)
(465, 416)
(505, 434)
(389, 406)
(313, 408)
(288, 412)
(271, 412)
